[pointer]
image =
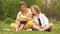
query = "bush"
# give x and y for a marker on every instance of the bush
(8, 20)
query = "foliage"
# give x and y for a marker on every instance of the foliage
(10, 8)
(9, 20)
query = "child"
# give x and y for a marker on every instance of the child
(40, 19)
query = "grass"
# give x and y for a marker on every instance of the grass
(55, 30)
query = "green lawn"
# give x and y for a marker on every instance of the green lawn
(55, 30)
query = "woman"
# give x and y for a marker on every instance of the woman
(40, 19)
(23, 17)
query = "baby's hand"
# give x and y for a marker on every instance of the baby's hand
(23, 19)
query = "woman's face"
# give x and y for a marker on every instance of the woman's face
(33, 10)
(23, 7)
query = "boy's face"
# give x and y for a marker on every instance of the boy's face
(23, 7)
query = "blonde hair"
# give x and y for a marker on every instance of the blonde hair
(36, 8)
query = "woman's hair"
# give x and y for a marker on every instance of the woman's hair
(22, 3)
(36, 8)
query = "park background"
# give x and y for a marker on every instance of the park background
(10, 8)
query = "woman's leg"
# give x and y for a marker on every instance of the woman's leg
(17, 26)
(21, 26)
(28, 25)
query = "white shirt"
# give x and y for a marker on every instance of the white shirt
(44, 20)
(20, 14)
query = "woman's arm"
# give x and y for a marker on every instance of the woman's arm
(17, 21)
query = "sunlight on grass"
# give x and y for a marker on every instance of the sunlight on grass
(3, 25)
